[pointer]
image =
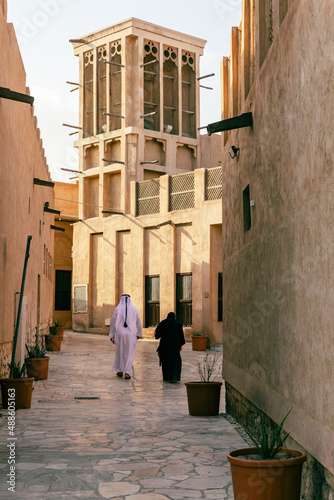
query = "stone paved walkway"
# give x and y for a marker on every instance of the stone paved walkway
(136, 442)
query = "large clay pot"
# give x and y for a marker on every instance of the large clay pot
(38, 367)
(203, 398)
(266, 479)
(199, 342)
(23, 392)
(53, 342)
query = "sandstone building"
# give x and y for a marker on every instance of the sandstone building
(149, 184)
(26, 195)
(278, 234)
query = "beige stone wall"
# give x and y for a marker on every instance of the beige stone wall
(22, 206)
(6, 356)
(278, 309)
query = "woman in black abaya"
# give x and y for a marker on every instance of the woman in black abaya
(170, 333)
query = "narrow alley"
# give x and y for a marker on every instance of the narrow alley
(129, 440)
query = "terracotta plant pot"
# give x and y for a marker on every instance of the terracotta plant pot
(266, 479)
(38, 367)
(60, 331)
(53, 342)
(199, 342)
(203, 398)
(23, 391)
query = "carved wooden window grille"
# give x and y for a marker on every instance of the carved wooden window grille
(101, 90)
(151, 86)
(188, 95)
(171, 91)
(80, 299)
(213, 183)
(115, 78)
(88, 118)
(148, 197)
(181, 191)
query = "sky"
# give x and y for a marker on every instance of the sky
(43, 30)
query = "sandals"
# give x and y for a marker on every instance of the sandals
(120, 374)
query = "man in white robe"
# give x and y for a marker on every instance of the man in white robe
(125, 329)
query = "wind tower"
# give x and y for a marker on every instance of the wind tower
(139, 111)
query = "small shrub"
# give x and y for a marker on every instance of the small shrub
(210, 367)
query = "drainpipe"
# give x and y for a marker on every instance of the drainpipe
(20, 306)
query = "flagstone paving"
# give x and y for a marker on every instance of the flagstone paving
(136, 442)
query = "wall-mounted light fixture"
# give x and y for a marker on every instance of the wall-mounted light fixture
(234, 152)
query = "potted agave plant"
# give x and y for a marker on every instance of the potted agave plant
(204, 395)
(16, 391)
(53, 339)
(37, 362)
(199, 341)
(59, 327)
(269, 471)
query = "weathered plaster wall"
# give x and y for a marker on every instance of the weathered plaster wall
(278, 312)
(22, 204)
(66, 201)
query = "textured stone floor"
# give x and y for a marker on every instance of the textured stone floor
(136, 442)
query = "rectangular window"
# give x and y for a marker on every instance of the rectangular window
(152, 301)
(101, 96)
(151, 69)
(188, 94)
(115, 89)
(88, 94)
(63, 290)
(184, 299)
(246, 209)
(220, 296)
(170, 91)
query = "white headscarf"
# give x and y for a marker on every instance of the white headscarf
(126, 313)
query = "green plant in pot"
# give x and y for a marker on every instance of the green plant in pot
(269, 471)
(204, 395)
(37, 361)
(58, 327)
(16, 391)
(19, 371)
(53, 340)
(199, 340)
